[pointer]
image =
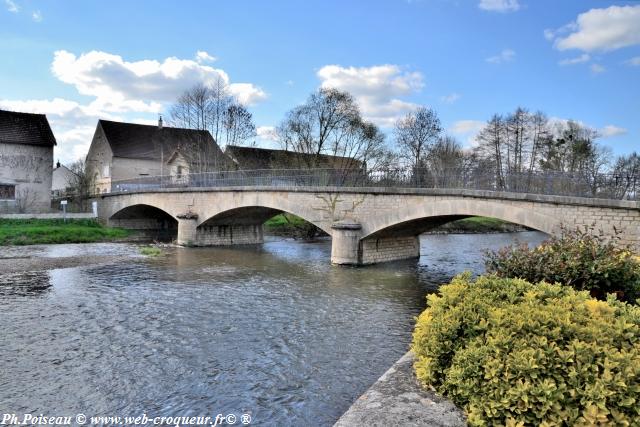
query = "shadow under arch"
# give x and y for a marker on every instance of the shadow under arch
(255, 215)
(147, 221)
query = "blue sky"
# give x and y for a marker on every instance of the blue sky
(79, 60)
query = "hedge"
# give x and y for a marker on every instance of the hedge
(513, 353)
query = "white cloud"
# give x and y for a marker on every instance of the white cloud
(119, 85)
(600, 30)
(499, 5)
(267, 133)
(451, 98)
(507, 55)
(467, 129)
(36, 16)
(12, 6)
(597, 69)
(611, 130)
(577, 60)
(119, 89)
(202, 56)
(635, 61)
(377, 89)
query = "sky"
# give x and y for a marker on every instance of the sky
(78, 61)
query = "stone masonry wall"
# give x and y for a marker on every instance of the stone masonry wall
(219, 235)
(387, 249)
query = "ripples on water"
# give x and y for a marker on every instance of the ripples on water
(274, 331)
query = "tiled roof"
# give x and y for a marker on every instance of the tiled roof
(150, 142)
(25, 128)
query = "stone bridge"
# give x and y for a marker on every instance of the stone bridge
(367, 225)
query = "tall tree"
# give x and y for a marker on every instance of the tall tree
(330, 123)
(213, 108)
(415, 133)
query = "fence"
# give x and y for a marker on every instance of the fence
(608, 186)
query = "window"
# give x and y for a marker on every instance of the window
(105, 171)
(179, 172)
(7, 192)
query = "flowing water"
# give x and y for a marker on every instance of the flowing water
(273, 331)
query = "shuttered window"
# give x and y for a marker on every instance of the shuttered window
(7, 192)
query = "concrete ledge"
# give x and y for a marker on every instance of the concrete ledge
(397, 399)
(484, 194)
(48, 216)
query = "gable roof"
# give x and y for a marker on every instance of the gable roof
(150, 142)
(25, 128)
(248, 158)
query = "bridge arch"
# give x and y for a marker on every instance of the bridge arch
(263, 207)
(416, 219)
(395, 234)
(147, 220)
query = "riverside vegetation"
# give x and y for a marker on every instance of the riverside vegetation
(517, 352)
(44, 231)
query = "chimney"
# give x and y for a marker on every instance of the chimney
(160, 122)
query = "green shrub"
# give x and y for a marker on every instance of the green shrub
(581, 259)
(150, 251)
(512, 353)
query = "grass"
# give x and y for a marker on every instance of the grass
(150, 251)
(45, 231)
(284, 221)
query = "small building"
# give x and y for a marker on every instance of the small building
(26, 162)
(63, 181)
(253, 158)
(128, 151)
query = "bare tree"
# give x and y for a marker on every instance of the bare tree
(238, 125)
(414, 134)
(329, 123)
(445, 161)
(213, 108)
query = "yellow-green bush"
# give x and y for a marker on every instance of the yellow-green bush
(512, 353)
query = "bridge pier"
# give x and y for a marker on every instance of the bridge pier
(345, 243)
(187, 230)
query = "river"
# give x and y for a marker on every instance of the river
(273, 331)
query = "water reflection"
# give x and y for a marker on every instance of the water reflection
(275, 330)
(24, 284)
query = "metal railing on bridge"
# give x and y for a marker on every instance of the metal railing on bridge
(607, 186)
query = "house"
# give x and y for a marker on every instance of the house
(63, 180)
(253, 158)
(129, 151)
(26, 162)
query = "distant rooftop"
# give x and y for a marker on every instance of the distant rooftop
(150, 142)
(248, 158)
(25, 128)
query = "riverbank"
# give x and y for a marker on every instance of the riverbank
(288, 225)
(46, 231)
(398, 399)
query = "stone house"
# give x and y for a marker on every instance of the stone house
(63, 180)
(253, 158)
(26, 162)
(128, 152)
